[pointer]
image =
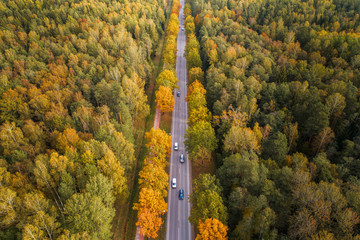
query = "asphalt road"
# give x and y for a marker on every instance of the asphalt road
(178, 225)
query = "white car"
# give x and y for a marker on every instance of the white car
(176, 146)
(182, 160)
(173, 183)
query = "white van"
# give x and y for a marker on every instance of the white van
(176, 146)
(173, 184)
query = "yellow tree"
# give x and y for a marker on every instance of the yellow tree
(154, 177)
(240, 139)
(11, 137)
(292, 134)
(235, 117)
(158, 139)
(42, 224)
(136, 98)
(111, 168)
(257, 132)
(336, 104)
(173, 25)
(8, 202)
(69, 138)
(169, 56)
(212, 229)
(58, 162)
(167, 78)
(196, 100)
(323, 235)
(199, 114)
(160, 161)
(150, 208)
(189, 28)
(196, 87)
(165, 99)
(213, 57)
(196, 95)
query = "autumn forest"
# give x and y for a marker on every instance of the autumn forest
(273, 117)
(282, 89)
(73, 77)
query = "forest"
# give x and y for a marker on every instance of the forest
(280, 119)
(72, 93)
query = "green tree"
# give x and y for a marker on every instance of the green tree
(207, 207)
(242, 170)
(200, 135)
(193, 59)
(325, 170)
(207, 204)
(275, 147)
(67, 185)
(120, 146)
(92, 211)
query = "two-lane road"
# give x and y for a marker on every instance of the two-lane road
(178, 226)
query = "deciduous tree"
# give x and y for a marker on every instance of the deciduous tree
(111, 167)
(158, 139)
(167, 78)
(92, 211)
(199, 114)
(154, 176)
(195, 74)
(165, 99)
(150, 208)
(240, 139)
(201, 135)
(211, 229)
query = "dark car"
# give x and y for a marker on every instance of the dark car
(178, 94)
(181, 194)
(182, 160)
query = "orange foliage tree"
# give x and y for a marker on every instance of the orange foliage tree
(153, 183)
(150, 208)
(165, 99)
(211, 229)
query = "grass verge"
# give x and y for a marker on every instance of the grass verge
(166, 122)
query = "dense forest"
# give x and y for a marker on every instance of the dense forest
(282, 84)
(71, 94)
